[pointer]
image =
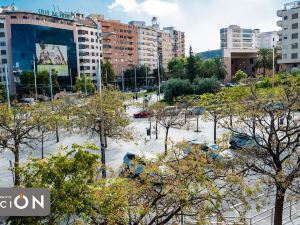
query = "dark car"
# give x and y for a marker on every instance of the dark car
(243, 141)
(143, 114)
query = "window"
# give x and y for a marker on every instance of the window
(2, 34)
(294, 35)
(295, 16)
(285, 18)
(92, 33)
(295, 26)
(2, 44)
(4, 61)
(295, 46)
(13, 17)
(294, 55)
(284, 56)
(1, 25)
(3, 52)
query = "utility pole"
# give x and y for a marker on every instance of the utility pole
(146, 76)
(51, 86)
(135, 89)
(158, 72)
(34, 73)
(106, 76)
(7, 86)
(123, 85)
(85, 89)
(273, 62)
(71, 80)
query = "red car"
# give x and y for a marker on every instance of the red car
(143, 114)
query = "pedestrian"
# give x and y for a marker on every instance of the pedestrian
(125, 107)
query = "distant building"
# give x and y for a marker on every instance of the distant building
(164, 49)
(147, 45)
(119, 43)
(266, 39)
(289, 35)
(178, 41)
(239, 50)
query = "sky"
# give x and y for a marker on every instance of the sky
(200, 19)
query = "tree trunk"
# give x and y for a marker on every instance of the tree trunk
(17, 173)
(166, 140)
(102, 147)
(279, 203)
(231, 121)
(105, 139)
(253, 127)
(56, 131)
(215, 129)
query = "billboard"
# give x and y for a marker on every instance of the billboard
(53, 57)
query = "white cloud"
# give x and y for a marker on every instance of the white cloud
(202, 19)
(150, 7)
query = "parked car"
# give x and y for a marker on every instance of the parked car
(243, 141)
(143, 114)
(230, 85)
(210, 149)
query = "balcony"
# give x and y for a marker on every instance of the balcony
(279, 13)
(279, 23)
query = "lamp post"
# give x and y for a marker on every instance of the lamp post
(273, 66)
(158, 73)
(34, 73)
(51, 86)
(7, 86)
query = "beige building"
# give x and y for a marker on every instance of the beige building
(164, 49)
(178, 41)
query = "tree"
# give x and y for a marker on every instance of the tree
(220, 68)
(274, 156)
(169, 119)
(176, 87)
(70, 176)
(206, 85)
(264, 59)
(191, 66)
(239, 75)
(177, 68)
(191, 186)
(208, 69)
(104, 115)
(108, 72)
(213, 104)
(85, 84)
(2, 92)
(17, 126)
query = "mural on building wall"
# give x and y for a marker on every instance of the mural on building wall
(53, 57)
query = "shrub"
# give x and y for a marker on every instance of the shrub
(206, 85)
(295, 71)
(239, 75)
(176, 87)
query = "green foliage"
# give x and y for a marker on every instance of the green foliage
(265, 59)
(191, 66)
(68, 175)
(85, 83)
(265, 83)
(108, 72)
(176, 87)
(213, 67)
(206, 85)
(42, 81)
(239, 75)
(295, 71)
(177, 67)
(2, 92)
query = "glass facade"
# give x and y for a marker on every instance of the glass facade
(25, 37)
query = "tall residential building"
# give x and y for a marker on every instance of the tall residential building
(89, 46)
(235, 37)
(4, 59)
(147, 45)
(289, 34)
(265, 39)
(178, 41)
(164, 49)
(119, 43)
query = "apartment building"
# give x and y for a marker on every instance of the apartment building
(147, 45)
(164, 49)
(119, 42)
(4, 59)
(89, 46)
(289, 34)
(265, 39)
(178, 41)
